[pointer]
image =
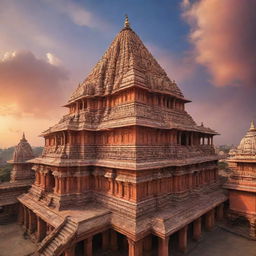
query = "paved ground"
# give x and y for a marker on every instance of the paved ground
(12, 242)
(222, 243)
(215, 243)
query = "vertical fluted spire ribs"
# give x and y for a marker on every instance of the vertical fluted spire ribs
(126, 63)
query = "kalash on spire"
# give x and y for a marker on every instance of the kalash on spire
(126, 22)
(127, 144)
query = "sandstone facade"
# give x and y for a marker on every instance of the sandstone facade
(127, 167)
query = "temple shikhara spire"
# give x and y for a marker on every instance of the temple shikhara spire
(127, 165)
(242, 183)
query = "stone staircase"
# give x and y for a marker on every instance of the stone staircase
(55, 243)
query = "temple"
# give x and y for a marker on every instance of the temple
(127, 169)
(242, 182)
(22, 177)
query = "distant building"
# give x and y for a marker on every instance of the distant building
(21, 180)
(21, 168)
(127, 169)
(242, 183)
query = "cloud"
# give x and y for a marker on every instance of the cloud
(52, 59)
(18, 25)
(30, 86)
(79, 14)
(223, 35)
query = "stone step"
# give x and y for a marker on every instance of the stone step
(68, 229)
(48, 251)
(62, 235)
(52, 247)
(71, 223)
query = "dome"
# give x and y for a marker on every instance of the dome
(248, 143)
(23, 151)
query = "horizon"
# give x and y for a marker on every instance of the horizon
(43, 64)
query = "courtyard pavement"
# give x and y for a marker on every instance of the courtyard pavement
(223, 243)
(12, 241)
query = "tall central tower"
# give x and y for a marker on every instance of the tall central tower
(128, 146)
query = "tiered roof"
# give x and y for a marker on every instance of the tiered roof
(127, 63)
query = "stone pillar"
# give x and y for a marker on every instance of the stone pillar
(220, 211)
(190, 180)
(147, 243)
(88, 246)
(64, 185)
(197, 229)
(113, 240)
(21, 214)
(252, 231)
(209, 220)
(70, 251)
(105, 240)
(163, 246)
(68, 188)
(41, 229)
(56, 188)
(31, 221)
(183, 237)
(25, 210)
(135, 248)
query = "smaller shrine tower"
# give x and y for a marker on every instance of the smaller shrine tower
(22, 177)
(242, 183)
(21, 169)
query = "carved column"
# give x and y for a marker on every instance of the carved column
(21, 214)
(41, 229)
(190, 180)
(31, 221)
(56, 188)
(209, 220)
(88, 246)
(220, 211)
(135, 248)
(25, 210)
(183, 237)
(68, 185)
(252, 228)
(197, 229)
(163, 246)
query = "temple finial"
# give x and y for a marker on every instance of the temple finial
(23, 136)
(252, 127)
(126, 22)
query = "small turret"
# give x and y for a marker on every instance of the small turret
(22, 153)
